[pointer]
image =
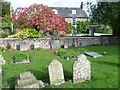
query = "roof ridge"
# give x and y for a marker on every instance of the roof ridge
(64, 7)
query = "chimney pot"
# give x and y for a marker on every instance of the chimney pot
(81, 6)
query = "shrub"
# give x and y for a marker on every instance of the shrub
(81, 50)
(19, 57)
(3, 35)
(82, 26)
(27, 33)
(65, 54)
(39, 48)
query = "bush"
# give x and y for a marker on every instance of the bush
(19, 57)
(3, 35)
(39, 48)
(27, 33)
(106, 30)
(6, 25)
(82, 26)
(81, 50)
(65, 54)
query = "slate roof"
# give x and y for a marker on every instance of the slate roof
(67, 12)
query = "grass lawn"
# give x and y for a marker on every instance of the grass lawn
(104, 69)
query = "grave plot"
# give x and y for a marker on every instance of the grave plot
(20, 58)
(81, 50)
(65, 55)
(93, 54)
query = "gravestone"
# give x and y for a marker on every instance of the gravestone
(55, 44)
(93, 54)
(28, 80)
(81, 69)
(65, 46)
(18, 47)
(56, 74)
(2, 61)
(24, 46)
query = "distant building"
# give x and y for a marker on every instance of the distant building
(71, 14)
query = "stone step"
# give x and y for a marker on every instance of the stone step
(26, 82)
(35, 85)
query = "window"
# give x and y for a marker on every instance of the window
(73, 11)
(74, 21)
(55, 11)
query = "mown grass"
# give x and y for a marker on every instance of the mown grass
(104, 69)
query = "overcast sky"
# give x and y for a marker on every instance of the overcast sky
(50, 3)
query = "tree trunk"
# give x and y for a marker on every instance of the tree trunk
(116, 30)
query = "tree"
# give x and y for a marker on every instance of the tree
(40, 17)
(107, 13)
(82, 26)
(5, 8)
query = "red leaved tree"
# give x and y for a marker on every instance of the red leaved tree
(40, 17)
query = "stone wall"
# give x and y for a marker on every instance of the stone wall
(69, 41)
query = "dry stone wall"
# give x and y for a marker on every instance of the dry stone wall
(33, 43)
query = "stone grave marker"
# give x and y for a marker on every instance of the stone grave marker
(55, 44)
(56, 74)
(65, 46)
(93, 54)
(28, 80)
(2, 61)
(18, 47)
(81, 69)
(24, 46)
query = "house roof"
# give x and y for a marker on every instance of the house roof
(67, 12)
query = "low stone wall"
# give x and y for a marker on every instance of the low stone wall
(33, 43)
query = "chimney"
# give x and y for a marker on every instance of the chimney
(81, 6)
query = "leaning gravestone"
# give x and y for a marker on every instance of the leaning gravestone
(56, 74)
(55, 44)
(93, 54)
(24, 46)
(81, 69)
(28, 80)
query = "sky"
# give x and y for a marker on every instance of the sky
(49, 3)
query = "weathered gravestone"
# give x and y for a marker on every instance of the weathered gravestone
(2, 61)
(65, 46)
(93, 54)
(81, 69)
(55, 44)
(56, 74)
(28, 80)
(24, 46)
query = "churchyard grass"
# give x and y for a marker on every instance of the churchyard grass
(104, 69)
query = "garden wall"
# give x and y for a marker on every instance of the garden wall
(33, 43)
